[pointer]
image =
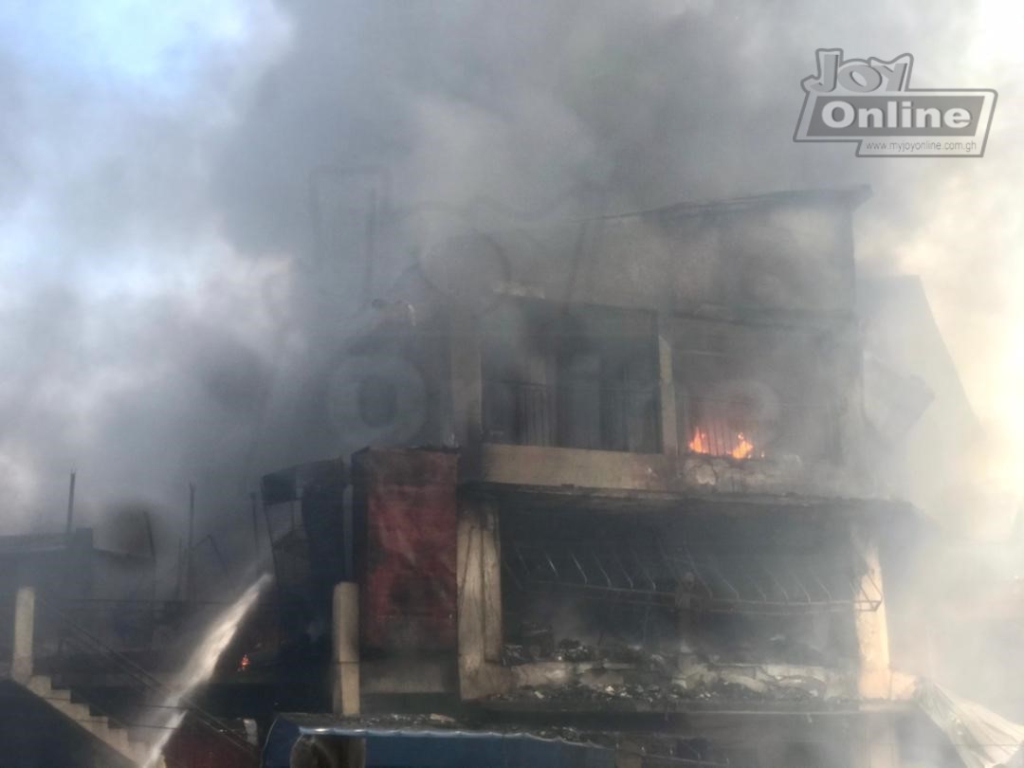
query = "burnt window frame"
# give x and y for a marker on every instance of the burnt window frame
(799, 411)
(542, 411)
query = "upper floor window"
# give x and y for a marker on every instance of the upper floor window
(574, 377)
(750, 392)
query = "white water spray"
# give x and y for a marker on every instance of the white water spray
(201, 664)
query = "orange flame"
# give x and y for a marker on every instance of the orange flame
(699, 444)
(743, 449)
(243, 665)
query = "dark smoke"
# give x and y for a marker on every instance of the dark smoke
(193, 200)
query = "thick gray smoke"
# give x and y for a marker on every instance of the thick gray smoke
(570, 109)
(158, 201)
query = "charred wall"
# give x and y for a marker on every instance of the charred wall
(779, 253)
(756, 589)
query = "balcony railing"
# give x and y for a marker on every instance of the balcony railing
(582, 414)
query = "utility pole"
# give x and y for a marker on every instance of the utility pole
(190, 542)
(255, 523)
(71, 509)
(179, 584)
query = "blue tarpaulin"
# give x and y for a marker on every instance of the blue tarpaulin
(436, 748)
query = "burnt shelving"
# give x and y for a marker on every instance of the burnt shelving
(772, 583)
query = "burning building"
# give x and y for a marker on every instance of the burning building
(608, 494)
(649, 508)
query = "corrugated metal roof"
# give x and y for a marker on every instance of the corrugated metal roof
(419, 746)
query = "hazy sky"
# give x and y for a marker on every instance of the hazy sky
(156, 159)
(116, 286)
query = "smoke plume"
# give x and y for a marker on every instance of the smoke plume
(158, 229)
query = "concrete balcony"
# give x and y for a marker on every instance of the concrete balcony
(695, 475)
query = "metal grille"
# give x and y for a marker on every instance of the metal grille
(579, 414)
(723, 583)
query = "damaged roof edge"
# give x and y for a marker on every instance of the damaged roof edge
(852, 196)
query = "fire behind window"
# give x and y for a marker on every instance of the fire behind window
(752, 393)
(730, 426)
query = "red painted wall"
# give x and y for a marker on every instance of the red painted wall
(405, 501)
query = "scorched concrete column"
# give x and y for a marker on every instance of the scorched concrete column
(24, 633)
(875, 681)
(479, 583)
(345, 637)
(667, 390)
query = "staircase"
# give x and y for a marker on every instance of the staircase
(118, 738)
(133, 743)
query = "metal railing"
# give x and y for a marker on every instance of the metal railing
(78, 642)
(712, 582)
(579, 414)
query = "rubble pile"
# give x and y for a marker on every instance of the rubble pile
(576, 651)
(572, 671)
(654, 694)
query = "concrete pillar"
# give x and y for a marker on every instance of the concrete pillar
(479, 584)
(24, 632)
(875, 681)
(667, 391)
(345, 653)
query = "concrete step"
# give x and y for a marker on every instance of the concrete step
(60, 694)
(130, 746)
(116, 737)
